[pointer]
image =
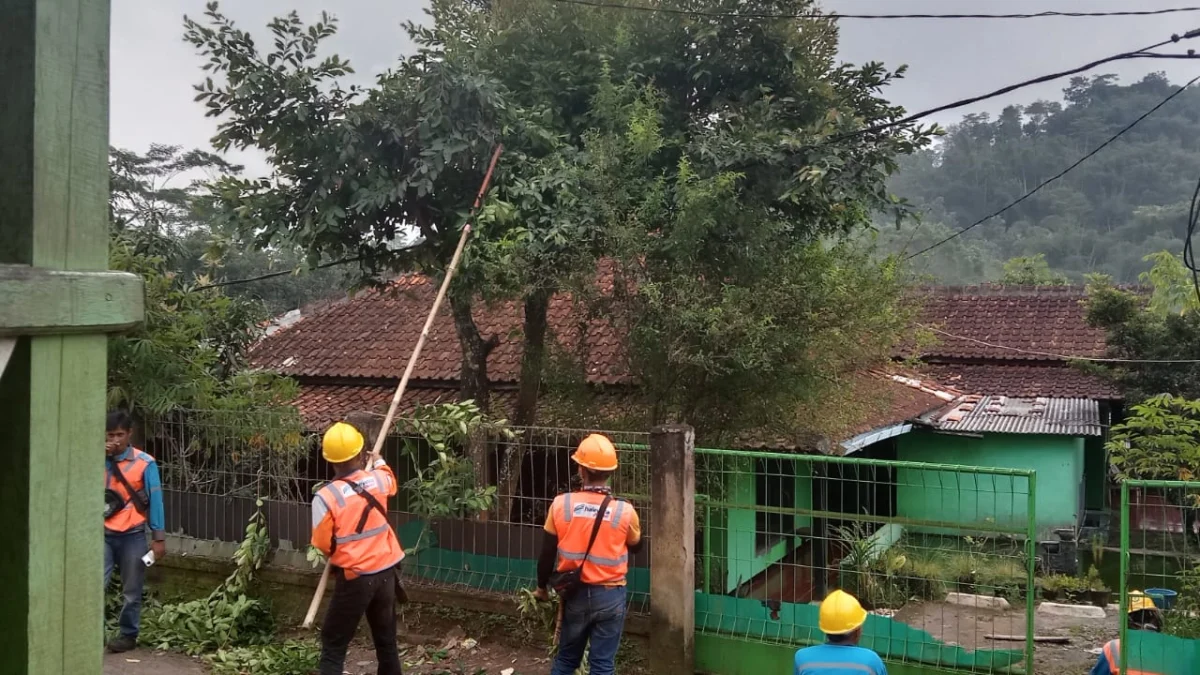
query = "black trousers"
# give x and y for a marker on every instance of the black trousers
(370, 594)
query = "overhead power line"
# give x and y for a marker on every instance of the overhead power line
(839, 16)
(1064, 357)
(1060, 174)
(280, 273)
(1143, 53)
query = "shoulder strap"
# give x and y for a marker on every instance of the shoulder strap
(372, 503)
(134, 496)
(596, 527)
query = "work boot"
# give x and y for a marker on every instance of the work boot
(122, 643)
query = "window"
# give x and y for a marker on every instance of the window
(775, 487)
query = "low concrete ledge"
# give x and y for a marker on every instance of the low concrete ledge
(1076, 611)
(977, 601)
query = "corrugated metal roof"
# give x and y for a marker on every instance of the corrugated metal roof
(1008, 415)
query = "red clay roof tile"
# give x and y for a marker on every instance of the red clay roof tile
(1008, 323)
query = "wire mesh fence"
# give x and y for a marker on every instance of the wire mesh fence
(1160, 562)
(941, 555)
(472, 503)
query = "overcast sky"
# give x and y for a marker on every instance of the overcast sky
(153, 70)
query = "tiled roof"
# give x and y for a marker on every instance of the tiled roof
(888, 397)
(372, 335)
(1022, 379)
(1008, 323)
(1000, 414)
(321, 405)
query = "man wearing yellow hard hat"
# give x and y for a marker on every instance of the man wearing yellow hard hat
(1142, 615)
(589, 535)
(841, 620)
(351, 528)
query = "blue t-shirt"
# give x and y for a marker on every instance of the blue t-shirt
(830, 659)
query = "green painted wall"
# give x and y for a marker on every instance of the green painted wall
(971, 498)
(732, 534)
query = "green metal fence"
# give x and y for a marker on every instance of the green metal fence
(1160, 558)
(215, 465)
(942, 555)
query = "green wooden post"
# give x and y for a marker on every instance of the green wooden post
(53, 219)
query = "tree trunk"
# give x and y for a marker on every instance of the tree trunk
(533, 359)
(475, 351)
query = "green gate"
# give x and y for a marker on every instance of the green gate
(1160, 557)
(942, 554)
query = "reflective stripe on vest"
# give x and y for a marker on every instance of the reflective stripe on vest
(1112, 652)
(845, 667)
(374, 549)
(133, 468)
(574, 515)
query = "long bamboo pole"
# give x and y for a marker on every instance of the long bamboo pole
(313, 606)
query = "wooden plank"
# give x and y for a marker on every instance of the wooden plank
(53, 215)
(36, 301)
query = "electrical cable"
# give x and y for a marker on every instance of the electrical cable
(1060, 174)
(1189, 249)
(272, 275)
(838, 16)
(1143, 53)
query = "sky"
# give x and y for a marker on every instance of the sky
(153, 70)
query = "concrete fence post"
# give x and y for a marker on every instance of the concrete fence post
(672, 550)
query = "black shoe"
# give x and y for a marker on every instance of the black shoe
(123, 643)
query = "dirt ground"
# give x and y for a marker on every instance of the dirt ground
(969, 628)
(454, 655)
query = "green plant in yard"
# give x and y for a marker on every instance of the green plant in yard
(288, 658)
(445, 487)
(228, 617)
(964, 570)
(541, 616)
(1185, 620)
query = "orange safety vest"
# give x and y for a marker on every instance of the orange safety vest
(376, 547)
(574, 515)
(133, 468)
(1112, 652)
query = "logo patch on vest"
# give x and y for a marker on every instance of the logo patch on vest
(590, 511)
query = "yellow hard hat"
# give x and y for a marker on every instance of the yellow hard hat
(342, 443)
(841, 614)
(597, 453)
(1139, 601)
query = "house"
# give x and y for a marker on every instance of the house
(995, 389)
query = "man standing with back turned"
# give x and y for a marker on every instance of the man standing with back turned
(589, 536)
(132, 499)
(351, 528)
(841, 620)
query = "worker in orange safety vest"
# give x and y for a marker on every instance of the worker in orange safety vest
(1143, 614)
(351, 528)
(589, 536)
(133, 503)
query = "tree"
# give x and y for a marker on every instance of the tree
(1031, 271)
(189, 352)
(1104, 216)
(1160, 440)
(696, 154)
(1158, 333)
(382, 177)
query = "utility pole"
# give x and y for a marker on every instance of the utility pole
(57, 302)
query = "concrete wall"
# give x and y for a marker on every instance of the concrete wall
(976, 498)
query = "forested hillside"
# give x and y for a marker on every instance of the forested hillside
(1105, 216)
